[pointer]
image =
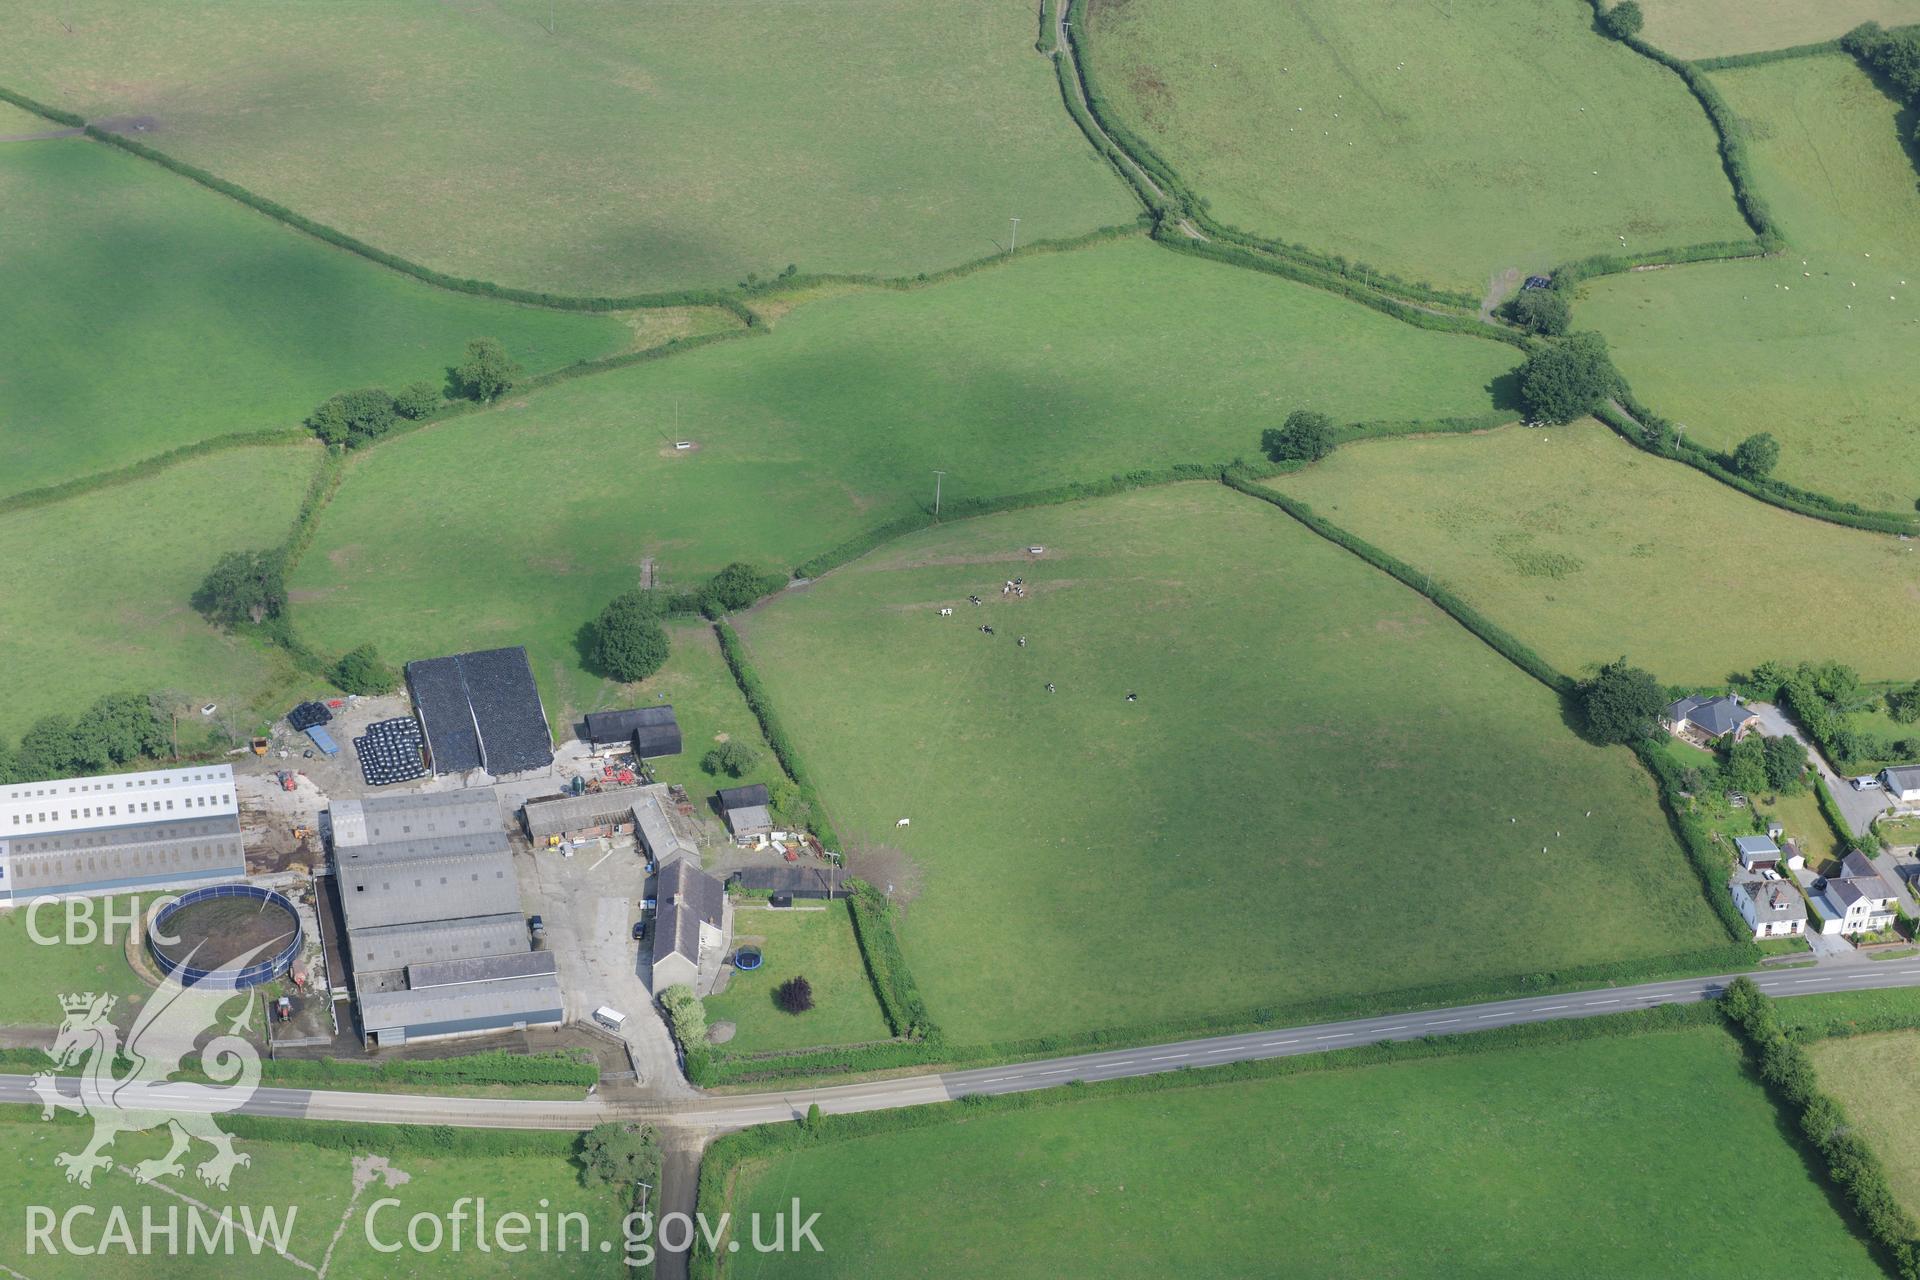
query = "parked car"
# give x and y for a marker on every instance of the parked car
(639, 930)
(780, 900)
(536, 926)
(1867, 783)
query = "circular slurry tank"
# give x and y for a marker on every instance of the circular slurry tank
(226, 937)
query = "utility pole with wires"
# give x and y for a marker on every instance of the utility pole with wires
(938, 475)
(1013, 241)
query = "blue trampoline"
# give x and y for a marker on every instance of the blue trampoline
(747, 959)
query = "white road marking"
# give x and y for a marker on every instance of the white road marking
(1441, 1022)
(1549, 1008)
(1398, 1027)
(1342, 1036)
(1057, 1071)
(1170, 1057)
(603, 858)
(1274, 1044)
(1484, 1016)
(1615, 1000)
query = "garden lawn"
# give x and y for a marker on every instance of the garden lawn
(1815, 345)
(799, 942)
(1872, 1077)
(626, 148)
(145, 313)
(1441, 142)
(1622, 1154)
(97, 589)
(38, 975)
(312, 1184)
(1315, 751)
(1586, 548)
(1717, 28)
(516, 526)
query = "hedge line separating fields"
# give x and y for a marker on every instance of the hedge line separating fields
(1645, 429)
(1729, 61)
(54, 114)
(900, 999)
(1733, 151)
(353, 1135)
(1064, 72)
(1612, 264)
(1107, 135)
(1333, 282)
(140, 470)
(1855, 1170)
(761, 1142)
(473, 1069)
(1045, 44)
(1707, 864)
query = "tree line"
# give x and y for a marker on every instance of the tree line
(355, 418)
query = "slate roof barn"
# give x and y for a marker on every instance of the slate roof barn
(481, 710)
(691, 921)
(746, 809)
(650, 731)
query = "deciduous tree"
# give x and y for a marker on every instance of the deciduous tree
(488, 372)
(1621, 703)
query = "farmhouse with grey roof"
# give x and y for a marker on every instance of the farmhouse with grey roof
(1773, 908)
(690, 926)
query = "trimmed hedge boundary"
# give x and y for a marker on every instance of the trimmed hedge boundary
(1851, 1164)
(49, 494)
(474, 1069)
(1707, 865)
(1108, 136)
(900, 999)
(734, 650)
(728, 1154)
(1646, 430)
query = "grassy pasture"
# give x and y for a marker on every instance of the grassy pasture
(1716, 28)
(97, 587)
(632, 148)
(799, 942)
(1313, 743)
(1420, 138)
(146, 313)
(516, 525)
(1586, 548)
(1814, 346)
(1873, 1077)
(316, 1186)
(37, 975)
(1620, 1153)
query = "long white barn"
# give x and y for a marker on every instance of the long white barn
(119, 831)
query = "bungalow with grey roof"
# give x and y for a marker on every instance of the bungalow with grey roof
(1858, 900)
(690, 926)
(1709, 719)
(1903, 786)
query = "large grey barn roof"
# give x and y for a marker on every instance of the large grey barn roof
(119, 837)
(460, 973)
(396, 946)
(507, 1000)
(425, 880)
(481, 710)
(687, 896)
(653, 730)
(658, 832)
(382, 819)
(744, 797)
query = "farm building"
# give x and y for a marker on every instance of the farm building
(660, 835)
(1757, 853)
(550, 819)
(691, 927)
(646, 731)
(119, 831)
(1772, 907)
(435, 937)
(746, 810)
(792, 880)
(1709, 718)
(481, 711)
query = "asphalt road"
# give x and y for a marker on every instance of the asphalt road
(718, 1113)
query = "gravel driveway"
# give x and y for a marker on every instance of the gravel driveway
(1860, 808)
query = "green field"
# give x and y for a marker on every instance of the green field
(632, 148)
(1058, 367)
(1587, 548)
(1873, 1077)
(1715, 28)
(799, 942)
(1609, 1157)
(147, 313)
(67, 637)
(1315, 749)
(1419, 138)
(1814, 346)
(37, 974)
(315, 1184)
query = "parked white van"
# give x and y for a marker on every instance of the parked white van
(611, 1019)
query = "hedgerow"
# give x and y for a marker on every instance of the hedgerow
(900, 999)
(470, 1069)
(1727, 62)
(55, 114)
(1851, 1163)
(148, 466)
(755, 695)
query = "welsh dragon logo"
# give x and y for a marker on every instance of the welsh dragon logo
(169, 1028)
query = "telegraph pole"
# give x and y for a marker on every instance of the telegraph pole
(937, 475)
(1014, 241)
